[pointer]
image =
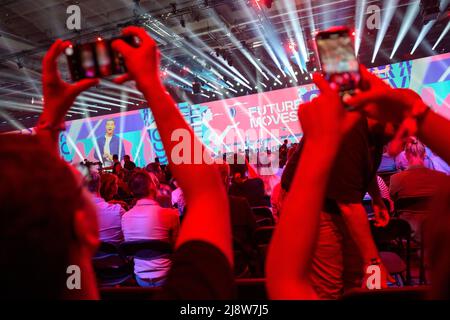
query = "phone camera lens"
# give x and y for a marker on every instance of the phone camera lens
(69, 51)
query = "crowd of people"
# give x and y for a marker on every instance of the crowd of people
(322, 242)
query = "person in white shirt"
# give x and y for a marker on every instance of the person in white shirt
(109, 215)
(149, 221)
(178, 199)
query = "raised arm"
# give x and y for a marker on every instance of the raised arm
(207, 217)
(58, 96)
(324, 122)
(406, 109)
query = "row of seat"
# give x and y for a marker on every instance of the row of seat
(114, 264)
(255, 289)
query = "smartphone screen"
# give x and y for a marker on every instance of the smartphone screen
(338, 60)
(96, 59)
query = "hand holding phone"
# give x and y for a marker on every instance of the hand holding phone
(58, 94)
(338, 60)
(97, 59)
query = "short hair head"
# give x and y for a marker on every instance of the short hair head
(143, 184)
(93, 183)
(108, 186)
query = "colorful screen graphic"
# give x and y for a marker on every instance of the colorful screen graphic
(255, 121)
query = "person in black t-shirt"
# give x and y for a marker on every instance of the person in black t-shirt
(345, 243)
(251, 189)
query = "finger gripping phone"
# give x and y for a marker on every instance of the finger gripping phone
(338, 60)
(97, 59)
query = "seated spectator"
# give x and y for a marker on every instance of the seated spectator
(148, 221)
(128, 164)
(108, 186)
(117, 167)
(401, 161)
(384, 192)
(416, 181)
(178, 199)
(267, 168)
(439, 164)
(251, 189)
(123, 192)
(387, 163)
(109, 215)
(164, 192)
(276, 201)
(243, 221)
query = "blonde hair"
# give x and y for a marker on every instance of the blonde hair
(414, 148)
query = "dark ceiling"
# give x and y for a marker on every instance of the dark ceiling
(28, 27)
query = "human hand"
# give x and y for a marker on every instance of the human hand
(325, 118)
(143, 62)
(58, 94)
(381, 213)
(384, 103)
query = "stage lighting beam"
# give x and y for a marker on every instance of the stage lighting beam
(408, 20)
(389, 7)
(443, 34)
(423, 33)
(360, 14)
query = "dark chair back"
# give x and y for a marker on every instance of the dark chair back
(263, 214)
(263, 235)
(412, 204)
(242, 260)
(110, 266)
(146, 249)
(392, 237)
(262, 238)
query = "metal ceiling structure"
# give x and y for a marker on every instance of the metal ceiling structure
(231, 47)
